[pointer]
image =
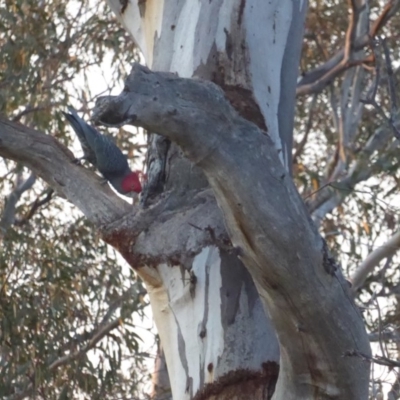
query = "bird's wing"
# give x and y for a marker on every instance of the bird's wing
(111, 162)
(100, 150)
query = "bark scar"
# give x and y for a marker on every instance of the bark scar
(328, 261)
(124, 5)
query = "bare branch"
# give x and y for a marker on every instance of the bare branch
(386, 336)
(330, 196)
(391, 79)
(373, 260)
(317, 79)
(8, 217)
(392, 120)
(320, 84)
(389, 120)
(300, 146)
(352, 28)
(35, 206)
(29, 109)
(390, 9)
(120, 222)
(387, 362)
(47, 158)
(100, 334)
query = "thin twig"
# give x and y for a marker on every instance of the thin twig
(8, 217)
(303, 141)
(351, 30)
(30, 109)
(387, 362)
(318, 190)
(35, 206)
(391, 79)
(381, 112)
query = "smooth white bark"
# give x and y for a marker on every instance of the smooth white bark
(251, 42)
(196, 343)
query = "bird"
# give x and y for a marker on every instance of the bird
(104, 154)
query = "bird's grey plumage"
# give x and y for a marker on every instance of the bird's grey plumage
(100, 151)
(79, 127)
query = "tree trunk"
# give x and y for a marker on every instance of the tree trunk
(218, 42)
(210, 319)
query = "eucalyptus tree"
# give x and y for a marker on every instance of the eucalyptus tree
(247, 298)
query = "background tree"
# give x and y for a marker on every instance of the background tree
(205, 304)
(62, 293)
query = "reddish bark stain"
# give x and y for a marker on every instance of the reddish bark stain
(242, 385)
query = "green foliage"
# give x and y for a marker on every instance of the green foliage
(60, 286)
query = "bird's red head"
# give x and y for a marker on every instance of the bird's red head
(131, 183)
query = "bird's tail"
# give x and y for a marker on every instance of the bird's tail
(84, 133)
